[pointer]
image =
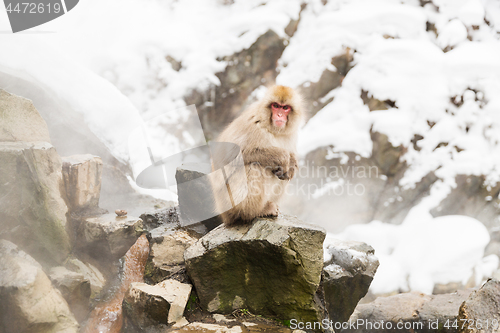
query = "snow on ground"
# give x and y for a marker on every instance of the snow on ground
(423, 250)
(418, 254)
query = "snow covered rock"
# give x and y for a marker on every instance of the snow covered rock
(472, 198)
(82, 181)
(414, 311)
(75, 289)
(108, 234)
(330, 79)
(28, 301)
(145, 305)
(270, 267)
(482, 307)
(166, 256)
(32, 210)
(20, 120)
(347, 276)
(246, 71)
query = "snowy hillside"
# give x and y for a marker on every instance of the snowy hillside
(435, 65)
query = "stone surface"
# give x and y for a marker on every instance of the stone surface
(347, 277)
(166, 256)
(20, 120)
(82, 181)
(90, 273)
(28, 301)
(146, 305)
(32, 210)
(482, 305)
(108, 235)
(75, 289)
(270, 267)
(163, 219)
(415, 311)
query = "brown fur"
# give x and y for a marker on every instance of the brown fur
(268, 153)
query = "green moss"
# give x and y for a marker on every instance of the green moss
(272, 285)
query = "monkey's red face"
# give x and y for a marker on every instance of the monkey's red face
(280, 114)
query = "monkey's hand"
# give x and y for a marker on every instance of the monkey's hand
(293, 167)
(281, 164)
(275, 159)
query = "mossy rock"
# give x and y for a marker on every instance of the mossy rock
(271, 267)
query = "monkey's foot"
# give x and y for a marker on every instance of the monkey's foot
(271, 210)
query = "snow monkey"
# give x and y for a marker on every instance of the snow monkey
(266, 133)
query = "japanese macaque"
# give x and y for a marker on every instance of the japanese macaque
(266, 133)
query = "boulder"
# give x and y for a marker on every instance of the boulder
(82, 181)
(442, 309)
(28, 301)
(166, 256)
(20, 120)
(145, 305)
(481, 309)
(413, 312)
(90, 273)
(270, 267)
(347, 275)
(161, 219)
(75, 289)
(108, 236)
(32, 210)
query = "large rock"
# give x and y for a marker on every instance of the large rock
(270, 267)
(75, 289)
(108, 236)
(164, 219)
(28, 301)
(82, 181)
(20, 120)
(32, 211)
(408, 313)
(482, 309)
(347, 275)
(90, 273)
(166, 256)
(164, 303)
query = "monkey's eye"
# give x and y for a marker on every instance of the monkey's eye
(286, 108)
(275, 105)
